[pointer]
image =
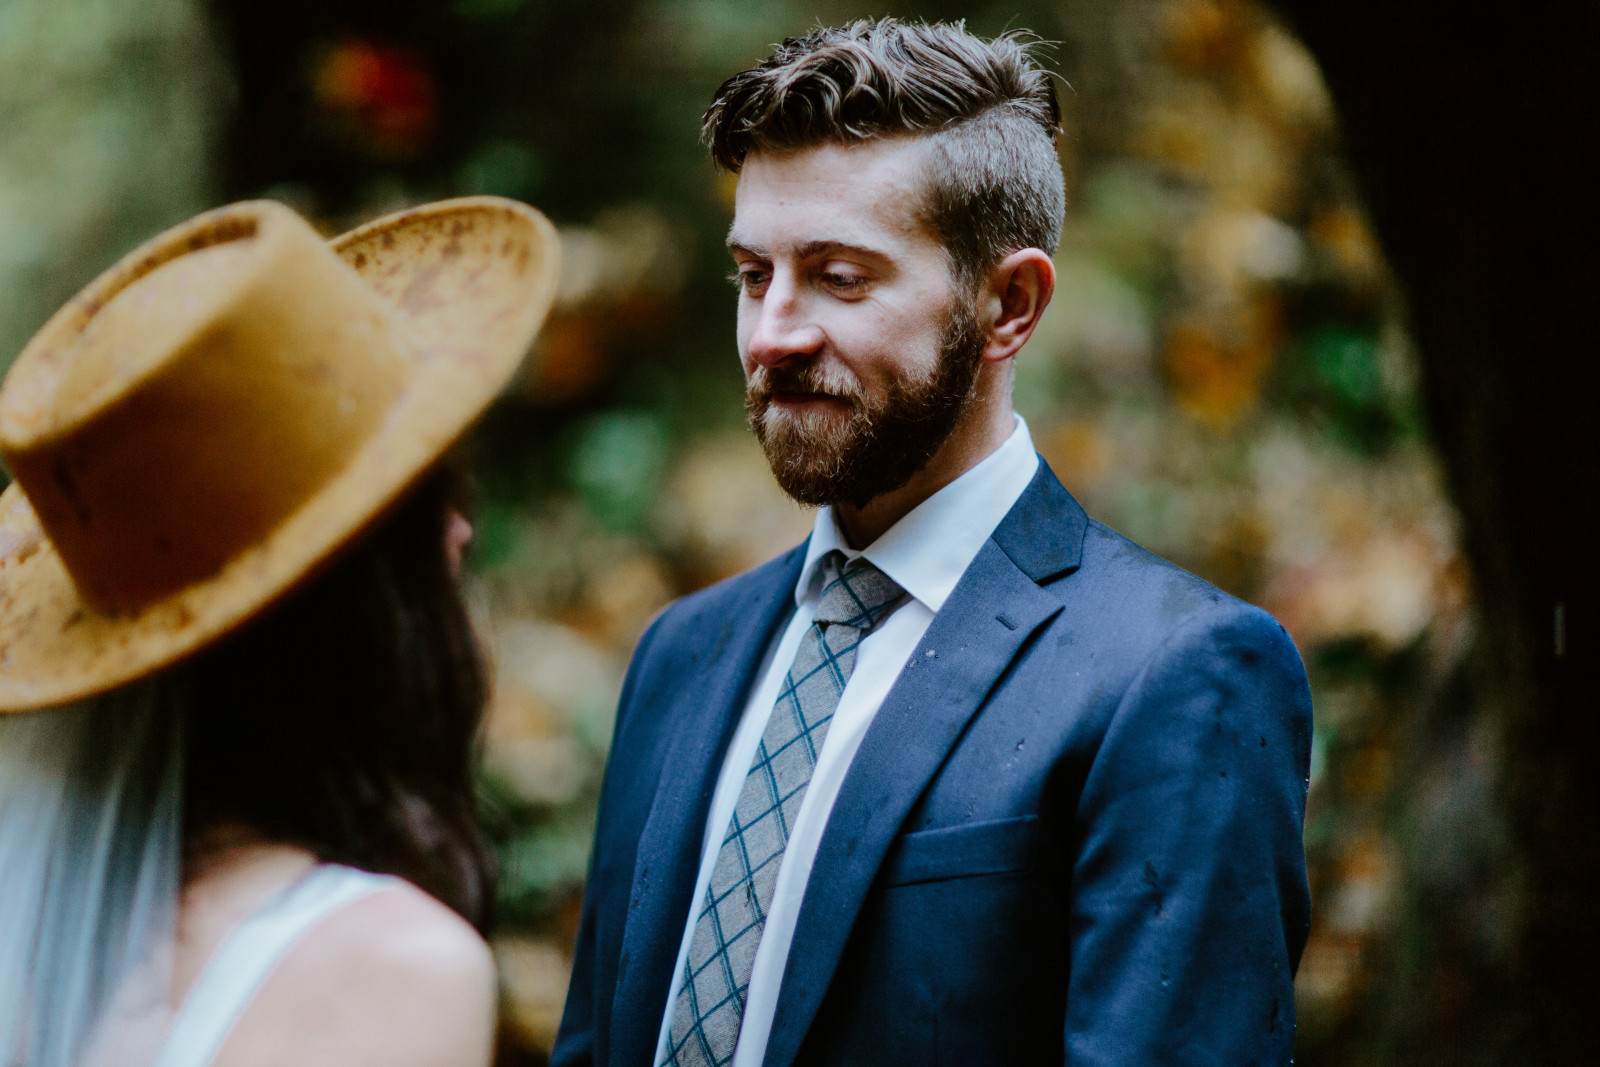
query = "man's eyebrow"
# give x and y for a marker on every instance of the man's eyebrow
(737, 244)
(817, 248)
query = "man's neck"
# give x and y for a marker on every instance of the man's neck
(974, 440)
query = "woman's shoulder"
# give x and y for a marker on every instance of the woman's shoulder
(422, 945)
(394, 977)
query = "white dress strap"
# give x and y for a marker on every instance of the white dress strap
(247, 956)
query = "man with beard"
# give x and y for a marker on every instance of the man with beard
(966, 777)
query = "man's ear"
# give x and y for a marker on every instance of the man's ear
(1019, 289)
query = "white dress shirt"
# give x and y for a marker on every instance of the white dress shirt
(926, 552)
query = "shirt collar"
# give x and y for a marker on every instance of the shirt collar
(928, 550)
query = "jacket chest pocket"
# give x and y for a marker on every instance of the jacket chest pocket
(996, 846)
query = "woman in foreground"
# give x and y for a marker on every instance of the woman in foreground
(236, 817)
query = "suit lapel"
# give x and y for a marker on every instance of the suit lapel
(704, 712)
(989, 617)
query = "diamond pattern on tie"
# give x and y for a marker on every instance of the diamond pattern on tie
(710, 1006)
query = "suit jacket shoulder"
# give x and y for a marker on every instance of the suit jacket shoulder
(699, 628)
(1138, 602)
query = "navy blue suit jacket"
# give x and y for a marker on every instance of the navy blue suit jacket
(1072, 833)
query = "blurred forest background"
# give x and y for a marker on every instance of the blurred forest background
(1227, 376)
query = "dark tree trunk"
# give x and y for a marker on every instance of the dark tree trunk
(1475, 139)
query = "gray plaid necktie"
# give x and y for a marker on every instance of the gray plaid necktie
(710, 1005)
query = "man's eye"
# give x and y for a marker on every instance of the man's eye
(749, 281)
(848, 283)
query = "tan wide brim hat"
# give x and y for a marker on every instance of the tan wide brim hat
(221, 411)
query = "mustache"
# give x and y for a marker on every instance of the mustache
(766, 382)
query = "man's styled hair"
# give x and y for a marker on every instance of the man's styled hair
(987, 110)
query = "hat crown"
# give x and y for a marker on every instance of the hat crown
(191, 399)
(144, 324)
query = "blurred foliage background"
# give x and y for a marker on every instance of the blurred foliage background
(1225, 376)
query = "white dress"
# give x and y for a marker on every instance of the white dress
(248, 955)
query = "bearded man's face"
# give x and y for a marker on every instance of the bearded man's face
(860, 352)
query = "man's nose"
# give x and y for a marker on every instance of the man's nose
(783, 328)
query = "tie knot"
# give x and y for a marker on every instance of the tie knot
(860, 596)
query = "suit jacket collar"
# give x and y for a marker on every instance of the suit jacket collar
(1043, 533)
(993, 611)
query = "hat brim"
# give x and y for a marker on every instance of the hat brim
(472, 279)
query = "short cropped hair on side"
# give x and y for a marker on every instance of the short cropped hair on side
(987, 110)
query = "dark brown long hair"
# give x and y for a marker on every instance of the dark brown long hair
(345, 718)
